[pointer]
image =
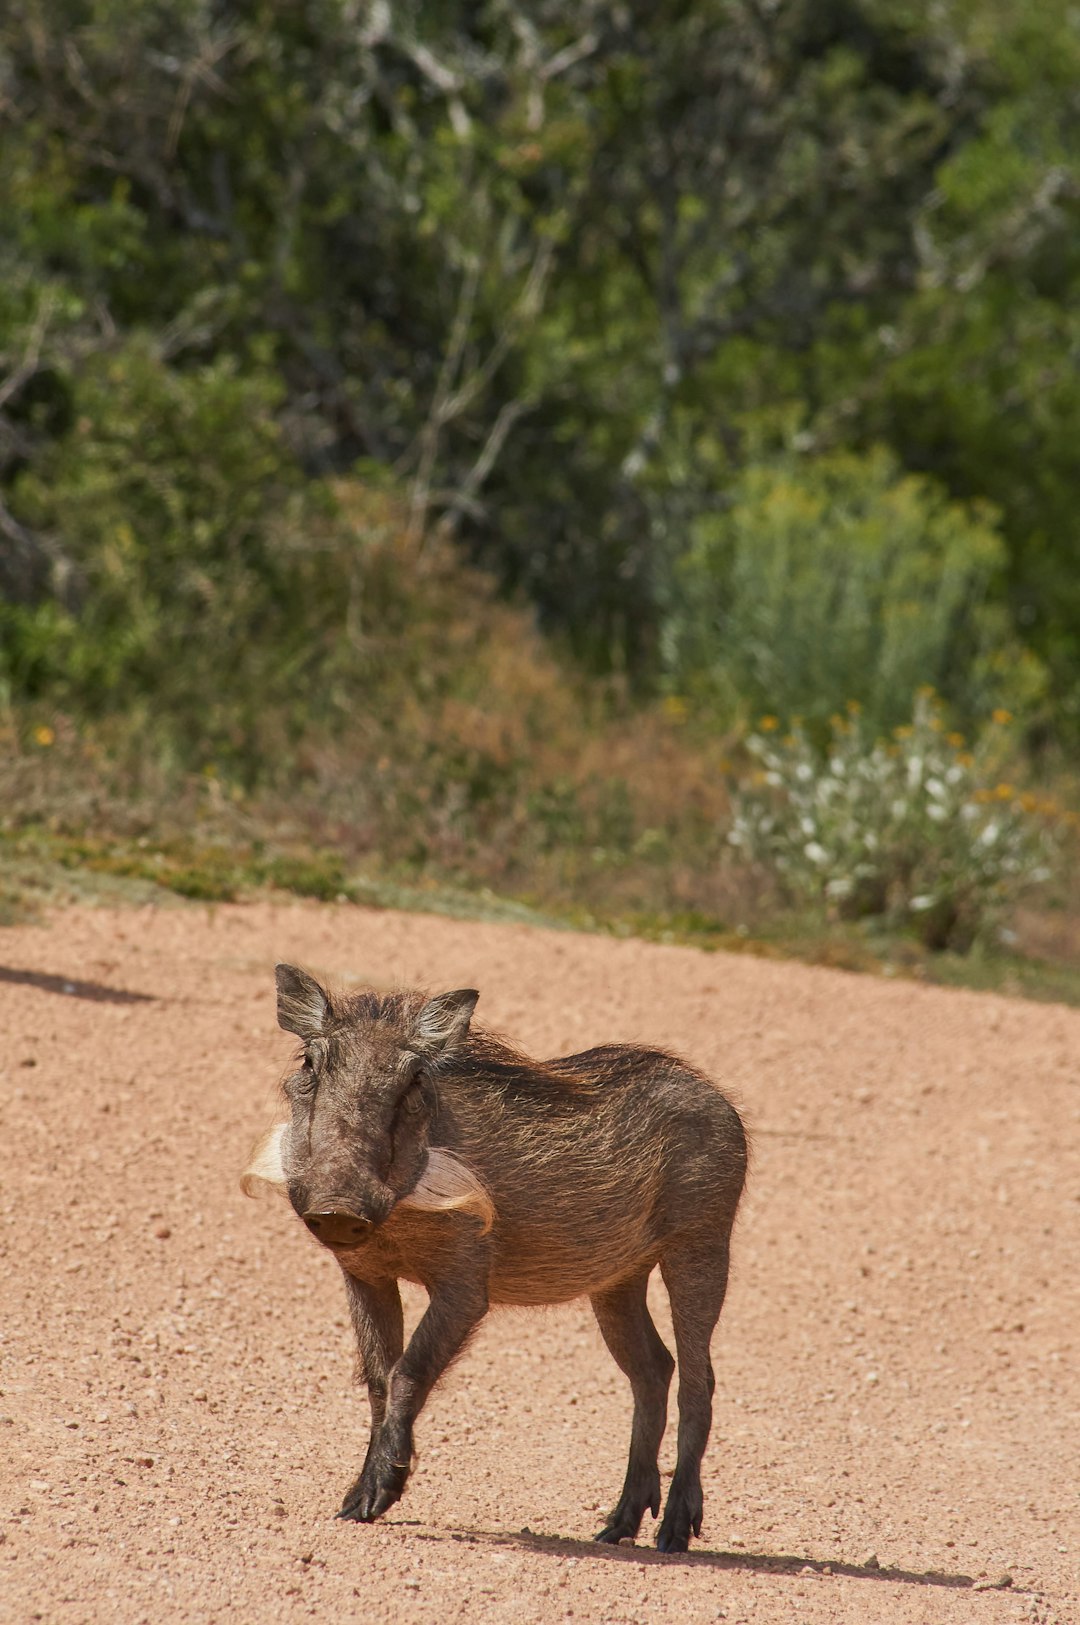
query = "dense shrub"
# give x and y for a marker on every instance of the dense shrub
(207, 579)
(839, 577)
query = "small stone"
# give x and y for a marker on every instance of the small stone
(1002, 1583)
(627, 1540)
(144, 1461)
(870, 1561)
(162, 1232)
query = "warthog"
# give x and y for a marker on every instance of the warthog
(424, 1149)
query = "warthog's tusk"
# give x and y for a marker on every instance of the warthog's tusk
(266, 1171)
(448, 1183)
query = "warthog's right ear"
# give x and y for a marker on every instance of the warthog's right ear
(302, 1005)
(444, 1020)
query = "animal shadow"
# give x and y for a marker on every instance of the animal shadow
(72, 987)
(732, 1562)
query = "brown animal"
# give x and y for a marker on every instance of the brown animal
(422, 1149)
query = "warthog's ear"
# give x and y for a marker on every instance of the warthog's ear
(302, 1005)
(444, 1020)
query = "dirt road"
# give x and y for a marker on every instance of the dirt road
(896, 1427)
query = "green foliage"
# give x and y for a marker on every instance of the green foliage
(567, 285)
(838, 577)
(975, 377)
(189, 539)
(917, 829)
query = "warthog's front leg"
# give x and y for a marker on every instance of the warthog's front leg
(375, 1309)
(457, 1306)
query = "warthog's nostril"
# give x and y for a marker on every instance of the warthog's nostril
(337, 1229)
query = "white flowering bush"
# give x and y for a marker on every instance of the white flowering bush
(916, 828)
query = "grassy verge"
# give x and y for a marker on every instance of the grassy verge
(437, 755)
(42, 869)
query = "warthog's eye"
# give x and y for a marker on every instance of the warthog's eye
(304, 1080)
(413, 1098)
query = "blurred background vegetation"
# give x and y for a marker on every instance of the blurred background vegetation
(432, 438)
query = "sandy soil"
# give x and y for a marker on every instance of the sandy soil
(896, 1427)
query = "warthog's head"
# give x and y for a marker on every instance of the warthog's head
(362, 1101)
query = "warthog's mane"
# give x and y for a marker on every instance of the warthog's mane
(484, 1054)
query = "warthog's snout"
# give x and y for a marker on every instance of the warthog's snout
(337, 1229)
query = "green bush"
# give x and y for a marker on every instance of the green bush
(201, 586)
(918, 829)
(840, 578)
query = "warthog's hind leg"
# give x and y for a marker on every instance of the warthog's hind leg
(695, 1275)
(637, 1349)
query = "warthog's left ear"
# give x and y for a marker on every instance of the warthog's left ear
(444, 1020)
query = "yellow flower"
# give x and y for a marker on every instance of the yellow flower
(769, 725)
(44, 735)
(1004, 792)
(853, 708)
(965, 759)
(955, 740)
(926, 691)
(1002, 717)
(905, 731)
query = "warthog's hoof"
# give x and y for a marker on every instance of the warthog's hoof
(613, 1534)
(375, 1491)
(682, 1517)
